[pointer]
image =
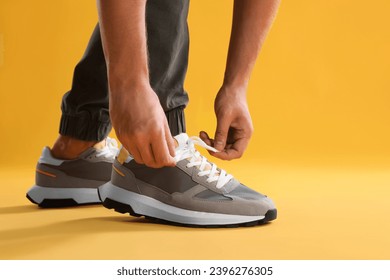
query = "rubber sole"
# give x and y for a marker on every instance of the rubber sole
(138, 205)
(47, 197)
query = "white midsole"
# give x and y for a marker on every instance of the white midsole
(148, 206)
(80, 195)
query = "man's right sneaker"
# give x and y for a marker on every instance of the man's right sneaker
(194, 192)
(60, 183)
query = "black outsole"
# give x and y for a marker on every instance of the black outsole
(124, 208)
(119, 207)
(59, 203)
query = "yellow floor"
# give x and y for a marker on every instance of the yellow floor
(324, 213)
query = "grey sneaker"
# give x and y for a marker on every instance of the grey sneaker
(194, 192)
(61, 183)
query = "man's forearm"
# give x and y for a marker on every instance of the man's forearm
(123, 30)
(252, 20)
(135, 111)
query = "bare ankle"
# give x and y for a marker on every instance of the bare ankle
(67, 147)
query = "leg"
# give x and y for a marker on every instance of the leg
(85, 119)
(168, 43)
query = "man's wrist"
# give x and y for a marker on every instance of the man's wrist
(235, 87)
(236, 81)
(128, 84)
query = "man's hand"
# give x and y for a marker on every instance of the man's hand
(141, 126)
(234, 124)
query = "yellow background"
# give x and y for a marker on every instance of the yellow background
(319, 98)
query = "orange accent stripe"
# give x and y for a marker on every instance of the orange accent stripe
(46, 173)
(117, 171)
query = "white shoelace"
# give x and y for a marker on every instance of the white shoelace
(110, 149)
(196, 159)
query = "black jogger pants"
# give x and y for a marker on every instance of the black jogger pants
(85, 113)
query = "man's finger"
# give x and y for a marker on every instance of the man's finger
(133, 150)
(169, 140)
(161, 152)
(236, 150)
(221, 133)
(206, 138)
(226, 154)
(147, 155)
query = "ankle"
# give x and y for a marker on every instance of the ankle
(67, 147)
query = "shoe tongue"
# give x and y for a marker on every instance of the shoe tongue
(100, 145)
(181, 139)
(87, 152)
(94, 149)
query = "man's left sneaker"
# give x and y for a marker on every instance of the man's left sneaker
(61, 183)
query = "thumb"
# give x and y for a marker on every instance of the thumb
(206, 138)
(221, 133)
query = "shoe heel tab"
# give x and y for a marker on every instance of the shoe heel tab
(46, 157)
(123, 156)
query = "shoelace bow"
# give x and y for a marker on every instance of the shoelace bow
(205, 167)
(110, 149)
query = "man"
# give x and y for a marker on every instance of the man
(132, 76)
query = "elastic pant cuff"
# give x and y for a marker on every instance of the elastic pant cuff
(176, 121)
(83, 128)
(89, 130)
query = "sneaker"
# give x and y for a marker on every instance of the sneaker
(61, 183)
(194, 192)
